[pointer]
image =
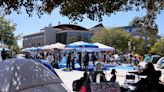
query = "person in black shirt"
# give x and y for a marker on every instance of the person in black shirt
(86, 60)
(113, 78)
(93, 58)
(3, 54)
(151, 82)
(79, 60)
(68, 61)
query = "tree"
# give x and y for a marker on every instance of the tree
(146, 28)
(77, 9)
(112, 37)
(15, 48)
(158, 47)
(7, 36)
(139, 45)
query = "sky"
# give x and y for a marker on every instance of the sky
(28, 25)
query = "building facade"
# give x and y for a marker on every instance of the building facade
(65, 33)
(33, 40)
(134, 33)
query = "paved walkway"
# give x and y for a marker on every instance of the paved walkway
(69, 76)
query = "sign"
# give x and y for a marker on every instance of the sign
(105, 87)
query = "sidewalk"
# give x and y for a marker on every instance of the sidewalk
(69, 76)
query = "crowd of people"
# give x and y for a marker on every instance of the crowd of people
(6, 54)
(151, 83)
(96, 76)
(86, 58)
(97, 59)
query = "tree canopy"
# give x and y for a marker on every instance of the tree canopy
(112, 37)
(147, 27)
(139, 45)
(7, 36)
(158, 47)
(77, 9)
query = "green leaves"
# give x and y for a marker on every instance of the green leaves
(112, 37)
(158, 47)
(7, 35)
(146, 26)
(77, 9)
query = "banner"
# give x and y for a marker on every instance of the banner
(105, 87)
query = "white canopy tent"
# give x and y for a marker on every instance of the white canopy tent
(104, 47)
(57, 46)
(46, 47)
(23, 75)
(53, 46)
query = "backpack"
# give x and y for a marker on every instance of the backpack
(76, 85)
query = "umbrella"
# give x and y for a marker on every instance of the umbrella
(23, 75)
(81, 44)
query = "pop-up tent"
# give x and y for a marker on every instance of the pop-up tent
(31, 49)
(23, 75)
(4, 49)
(81, 44)
(103, 47)
(57, 46)
(46, 47)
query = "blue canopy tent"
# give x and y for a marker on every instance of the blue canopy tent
(31, 49)
(79, 46)
(4, 48)
(82, 46)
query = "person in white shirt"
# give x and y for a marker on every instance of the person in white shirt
(50, 58)
(107, 58)
(116, 56)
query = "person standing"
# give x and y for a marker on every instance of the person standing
(86, 60)
(50, 58)
(73, 60)
(79, 59)
(68, 61)
(107, 58)
(104, 57)
(113, 78)
(93, 58)
(3, 54)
